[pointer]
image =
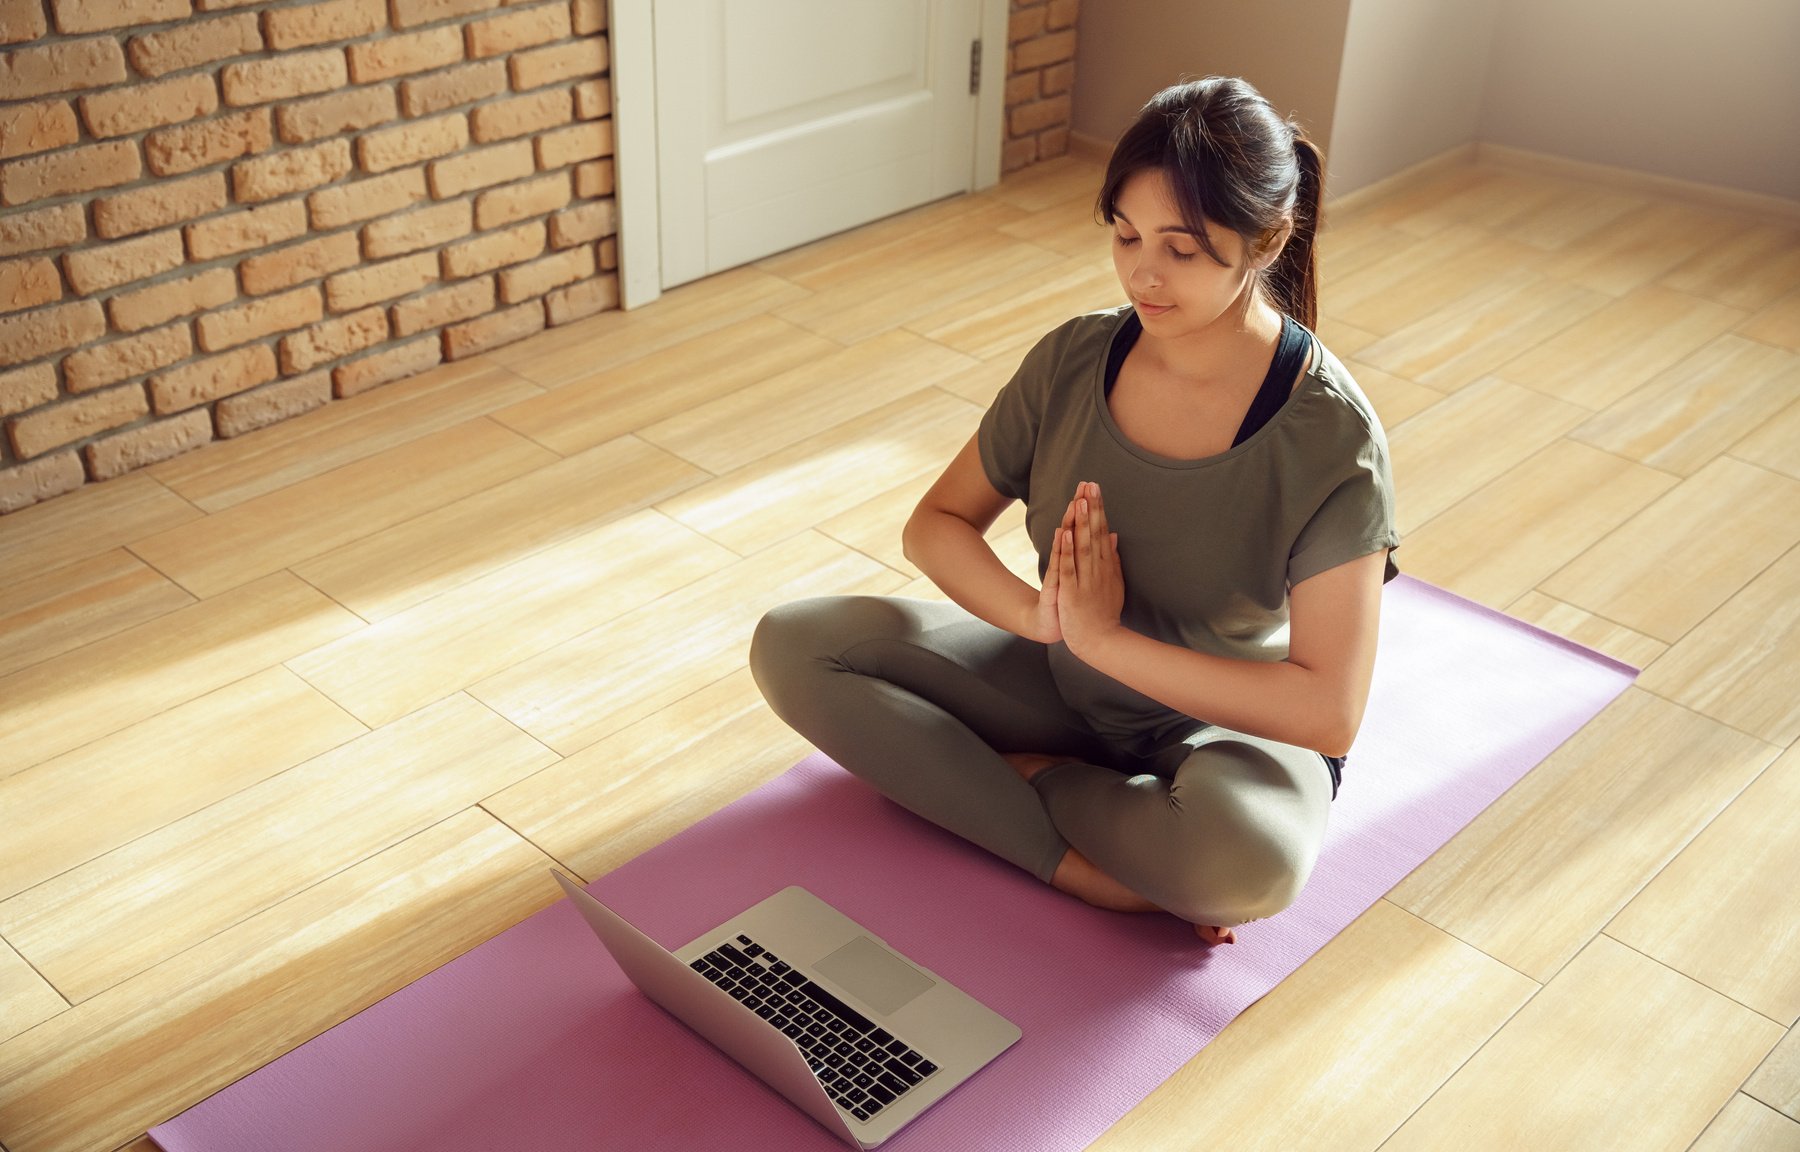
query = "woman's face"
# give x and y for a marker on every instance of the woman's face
(1175, 286)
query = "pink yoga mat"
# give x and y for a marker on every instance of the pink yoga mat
(535, 1040)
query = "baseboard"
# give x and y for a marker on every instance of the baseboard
(1457, 157)
(1713, 195)
(1090, 147)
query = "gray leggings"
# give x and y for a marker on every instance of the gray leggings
(919, 699)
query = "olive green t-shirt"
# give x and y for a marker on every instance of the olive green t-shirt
(1208, 547)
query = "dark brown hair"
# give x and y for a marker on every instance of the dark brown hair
(1232, 160)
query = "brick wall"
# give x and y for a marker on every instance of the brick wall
(1040, 73)
(215, 214)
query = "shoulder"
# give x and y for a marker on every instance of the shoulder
(1338, 402)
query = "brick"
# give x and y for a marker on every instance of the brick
(69, 172)
(306, 120)
(102, 267)
(29, 128)
(588, 16)
(185, 147)
(539, 197)
(1035, 117)
(333, 339)
(494, 250)
(521, 116)
(236, 415)
(582, 224)
(609, 253)
(524, 28)
(127, 451)
(324, 23)
(411, 231)
(34, 335)
(1022, 88)
(405, 55)
(594, 179)
(412, 143)
(1024, 24)
(1058, 78)
(28, 283)
(25, 388)
(78, 17)
(473, 337)
(575, 60)
(481, 168)
(443, 306)
(593, 99)
(565, 146)
(541, 276)
(367, 199)
(578, 301)
(21, 20)
(159, 205)
(295, 170)
(228, 327)
(296, 264)
(451, 87)
(284, 77)
(55, 69)
(376, 283)
(101, 365)
(1017, 154)
(41, 230)
(40, 480)
(207, 380)
(160, 303)
(128, 111)
(191, 45)
(62, 424)
(411, 13)
(245, 229)
(1049, 49)
(1062, 14)
(1053, 143)
(394, 363)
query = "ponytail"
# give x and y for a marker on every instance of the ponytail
(1293, 279)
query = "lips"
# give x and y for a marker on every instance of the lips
(1147, 309)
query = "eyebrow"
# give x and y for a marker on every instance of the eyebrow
(1181, 229)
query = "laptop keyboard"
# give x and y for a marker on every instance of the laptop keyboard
(862, 1067)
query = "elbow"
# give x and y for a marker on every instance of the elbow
(909, 539)
(1340, 734)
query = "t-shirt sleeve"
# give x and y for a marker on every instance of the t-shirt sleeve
(1008, 435)
(1356, 518)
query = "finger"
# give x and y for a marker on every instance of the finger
(1053, 571)
(1084, 537)
(1097, 510)
(1068, 557)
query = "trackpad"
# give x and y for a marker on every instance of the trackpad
(872, 973)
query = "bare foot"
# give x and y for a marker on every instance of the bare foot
(1215, 935)
(1028, 764)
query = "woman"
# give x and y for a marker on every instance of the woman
(1163, 723)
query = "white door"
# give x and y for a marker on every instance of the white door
(781, 121)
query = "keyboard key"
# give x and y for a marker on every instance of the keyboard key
(770, 957)
(753, 950)
(767, 1013)
(792, 1032)
(896, 1048)
(815, 1029)
(742, 939)
(882, 1094)
(851, 1016)
(905, 1074)
(779, 1020)
(699, 965)
(894, 1083)
(834, 1060)
(881, 1037)
(872, 1107)
(926, 1068)
(864, 1044)
(859, 1113)
(862, 1080)
(752, 1002)
(738, 993)
(910, 1058)
(733, 955)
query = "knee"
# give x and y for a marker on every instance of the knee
(1251, 857)
(796, 638)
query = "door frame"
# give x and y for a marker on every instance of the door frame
(631, 27)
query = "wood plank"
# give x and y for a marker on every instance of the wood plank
(1737, 665)
(1777, 323)
(229, 472)
(828, 263)
(143, 1051)
(1496, 544)
(1008, 315)
(874, 526)
(605, 679)
(1634, 249)
(1532, 878)
(1587, 629)
(786, 492)
(605, 404)
(1592, 1063)
(1775, 445)
(1747, 1125)
(61, 609)
(161, 770)
(1732, 893)
(114, 917)
(632, 790)
(1404, 288)
(1050, 182)
(68, 700)
(1692, 412)
(812, 397)
(26, 998)
(1457, 345)
(1777, 1081)
(1618, 349)
(302, 520)
(1747, 270)
(382, 574)
(444, 644)
(1672, 565)
(1466, 440)
(1311, 1044)
(1395, 399)
(85, 523)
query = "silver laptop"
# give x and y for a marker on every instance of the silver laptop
(854, 1034)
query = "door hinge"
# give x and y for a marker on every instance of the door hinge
(974, 67)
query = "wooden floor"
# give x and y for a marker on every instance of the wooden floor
(290, 721)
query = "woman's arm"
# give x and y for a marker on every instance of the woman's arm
(944, 537)
(1313, 699)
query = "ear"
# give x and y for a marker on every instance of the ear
(1271, 248)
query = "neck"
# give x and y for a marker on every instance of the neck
(1242, 334)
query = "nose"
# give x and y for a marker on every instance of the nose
(1144, 275)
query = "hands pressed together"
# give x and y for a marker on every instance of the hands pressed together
(1084, 586)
